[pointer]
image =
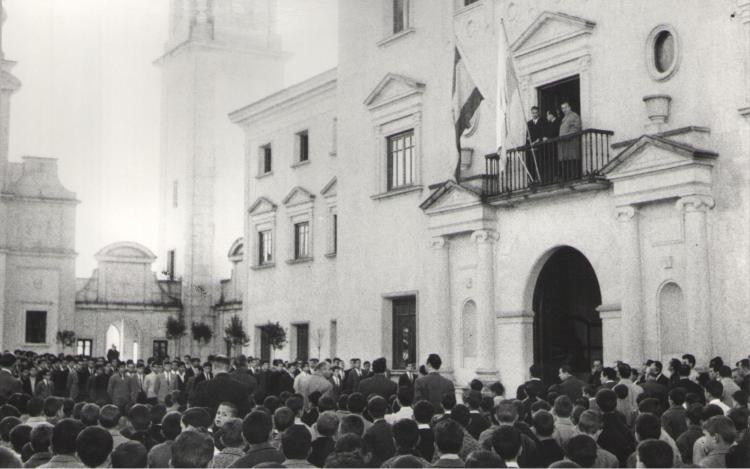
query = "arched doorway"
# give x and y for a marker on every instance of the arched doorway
(567, 327)
(114, 337)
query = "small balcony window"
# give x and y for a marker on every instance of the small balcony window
(401, 160)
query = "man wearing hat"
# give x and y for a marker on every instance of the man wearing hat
(8, 383)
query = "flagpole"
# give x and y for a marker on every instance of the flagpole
(520, 97)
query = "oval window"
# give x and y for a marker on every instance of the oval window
(664, 51)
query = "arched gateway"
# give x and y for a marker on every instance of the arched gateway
(567, 327)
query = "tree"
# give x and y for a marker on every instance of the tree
(275, 333)
(66, 337)
(175, 329)
(202, 332)
(235, 334)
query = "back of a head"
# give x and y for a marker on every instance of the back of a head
(357, 403)
(739, 415)
(352, 424)
(41, 437)
(343, 459)
(64, 436)
(544, 423)
(6, 425)
(581, 449)
(271, 403)
(257, 426)
(506, 441)
(170, 425)
(449, 436)
(325, 403)
(563, 406)
(563, 463)
(721, 426)
(461, 414)
(405, 395)
(474, 399)
(52, 406)
(93, 446)
(434, 361)
(19, 436)
(327, 424)
(590, 422)
(715, 389)
(651, 405)
(677, 395)
(349, 443)
(90, 414)
(8, 410)
(621, 391)
(406, 434)
(231, 433)
(139, 417)
(483, 458)
(129, 454)
(624, 370)
(423, 411)
(379, 365)
(283, 418)
(35, 406)
(448, 402)
(8, 459)
(506, 411)
(377, 407)
(295, 442)
(192, 449)
(606, 400)
(196, 417)
(109, 416)
(695, 414)
(296, 403)
(655, 453)
(647, 426)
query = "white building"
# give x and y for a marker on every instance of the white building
(639, 252)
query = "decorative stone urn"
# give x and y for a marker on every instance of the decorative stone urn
(657, 110)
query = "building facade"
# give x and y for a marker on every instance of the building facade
(626, 240)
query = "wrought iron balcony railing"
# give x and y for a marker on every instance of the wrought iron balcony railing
(574, 157)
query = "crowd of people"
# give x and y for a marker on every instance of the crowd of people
(75, 411)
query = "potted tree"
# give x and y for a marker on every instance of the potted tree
(67, 338)
(175, 329)
(276, 335)
(235, 334)
(202, 334)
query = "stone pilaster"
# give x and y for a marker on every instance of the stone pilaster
(697, 286)
(485, 295)
(515, 347)
(439, 339)
(631, 285)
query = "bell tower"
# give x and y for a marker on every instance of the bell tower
(220, 55)
(9, 84)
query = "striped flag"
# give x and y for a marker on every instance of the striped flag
(466, 100)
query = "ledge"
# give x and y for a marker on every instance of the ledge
(396, 192)
(745, 112)
(332, 153)
(264, 175)
(395, 37)
(330, 255)
(263, 266)
(301, 163)
(303, 260)
(463, 9)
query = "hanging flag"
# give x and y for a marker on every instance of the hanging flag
(466, 100)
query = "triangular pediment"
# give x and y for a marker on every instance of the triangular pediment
(450, 196)
(297, 196)
(261, 205)
(393, 87)
(650, 154)
(550, 28)
(330, 189)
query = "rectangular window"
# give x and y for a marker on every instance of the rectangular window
(267, 159)
(83, 347)
(302, 240)
(161, 349)
(404, 331)
(170, 264)
(175, 193)
(303, 143)
(401, 159)
(400, 15)
(265, 247)
(303, 341)
(335, 233)
(36, 327)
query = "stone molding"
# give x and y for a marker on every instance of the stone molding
(439, 242)
(625, 213)
(695, 203)
(485, 236)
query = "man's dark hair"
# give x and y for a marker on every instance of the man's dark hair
(609, 373)
(93, 446)
(461, 414)
(231, 432)
(326, 403)
(343, 402)
(283, 418)
(725, 371)
(52, 406)
(90, 415)
(544, 423)
(197, 417)
(295, 442)
(256, 427)
(498, 388)
(621, 391)
(9, 410)
(64, 436)
(606, 400)
(109, 416)
(677, 395)
(624, 370)
(130, 454)
(271, 403)
(738, 415)
(170, 425)
(405, 395)
(327, 424)
(6, 425)
(139, 417)
(651, 405)
(357, 403)
(647, 426)
(35, 406)
(711, 410)
(423, 411)
(434, 361)
(655, 453)
(19, 436)
(377, 406)
(715, 389)
(695, 414)
(474, 399)
(352, 424)
(722, 426)
(342, 459)
(581, 449)
(506, 411)
(506, 441)
(684, 370)
(740, 397)
(41, 437)
(8, 459)
(563, 406)
(406, 434)
(192, 449)
(379, 365)
(295, 402)
(534, 108)
(483, 458)
(658, 365)
(448, 402)
(690, 358)
(449, 436)
(476, 385)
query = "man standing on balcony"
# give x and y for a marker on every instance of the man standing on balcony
(570, 148)
(536, 132)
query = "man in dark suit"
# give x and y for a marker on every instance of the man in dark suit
(378, 383)
(120, 387)
(28, 380)
(113, 354)
(353, 376)
(379, 435)
(615, 436)
(408, 378)
(284, 381)
(8, 383)
(222, 388)
(337, 382)
(689, 385)
(242, 373)
(433, 387)
(423, 412)
(44, 386)
(570, 385)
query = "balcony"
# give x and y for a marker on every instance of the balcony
(561, 161)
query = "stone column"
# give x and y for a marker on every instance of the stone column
(440, 338)
(485, 300)
(697, 287)
(631, 286)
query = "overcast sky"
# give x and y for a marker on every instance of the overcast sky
(90, 97)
